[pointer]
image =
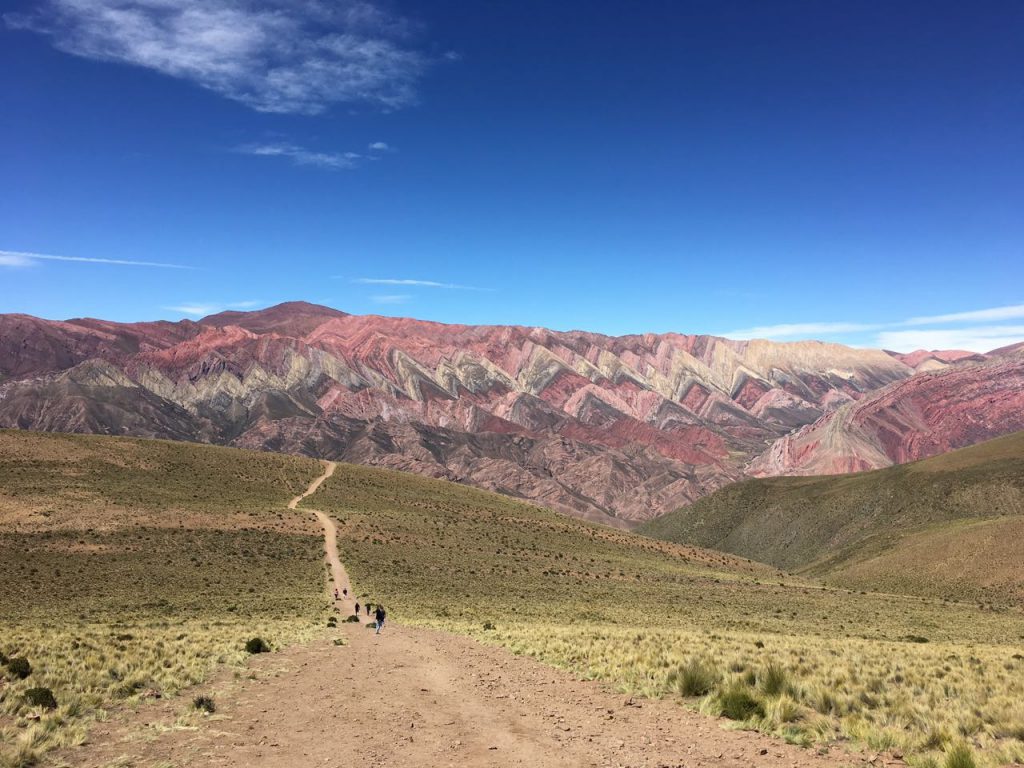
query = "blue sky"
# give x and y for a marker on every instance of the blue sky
(837, 170)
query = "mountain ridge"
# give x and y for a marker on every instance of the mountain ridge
(610, 428)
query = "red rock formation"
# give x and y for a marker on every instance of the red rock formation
(922, 416)
(619, 429)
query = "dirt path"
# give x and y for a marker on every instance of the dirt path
(419, 697)
(339, 577)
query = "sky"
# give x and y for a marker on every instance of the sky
(846, 171)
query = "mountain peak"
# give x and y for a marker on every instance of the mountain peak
(290, 318)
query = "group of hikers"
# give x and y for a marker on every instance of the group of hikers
(378, 615)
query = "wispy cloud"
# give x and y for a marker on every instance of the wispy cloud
(975, 339)
(202, 309)
(302, 156)
(1012, 312)
(417, 283)
(391, 298)
(800, 330)
(272, 55)
(380, 146)
(970, 332)
(26, 259)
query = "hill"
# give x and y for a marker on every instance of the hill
(944, 526)
(613, 429)
(150, 562)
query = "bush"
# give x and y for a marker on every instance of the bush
(332, 621)
(915, 639)
(204, 704)
(695, 678)
(960, 756)
(353, 619)
(19, 667)
(3, 659)
(257, 645)
(772, 680)
(488, 625)
(739, 703)
(41, 697)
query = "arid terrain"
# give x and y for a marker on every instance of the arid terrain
(142, 629)
(612, 429)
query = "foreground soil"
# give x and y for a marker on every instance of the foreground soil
(418, 697)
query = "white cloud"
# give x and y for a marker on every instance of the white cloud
(380, 146)
(980, 315)
(974, 339)
(800, 330)
(391, 298)
(902, 336)
(202, 309)
(10, 259)
(417, 283)
(302, 156)
(25, 259)
(272, 55)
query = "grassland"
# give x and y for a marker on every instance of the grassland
(131, 568)
(942, 527)
(814, 664)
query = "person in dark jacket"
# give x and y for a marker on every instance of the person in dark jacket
(379, 615)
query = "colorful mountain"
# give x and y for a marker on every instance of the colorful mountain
(615, 429)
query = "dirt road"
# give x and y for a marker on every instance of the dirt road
(420, 697)
(339, 578)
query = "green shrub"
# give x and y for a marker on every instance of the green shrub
(41, 697)
(960, 756)
(353, 619)
(257, 645)
(695, 678)
(738, 702)
(772, 680)
(489, 625)
(204, 704)
(19, 667)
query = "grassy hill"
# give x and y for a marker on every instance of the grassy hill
(129, 567)
(947, 526)
(810, 663)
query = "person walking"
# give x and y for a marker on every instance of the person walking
(379, 615)
(357, 609)
(335, 594)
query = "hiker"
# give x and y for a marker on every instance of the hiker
(345, 592)
(379, 615)
(357, 609)
(367, 609)
(335, 593)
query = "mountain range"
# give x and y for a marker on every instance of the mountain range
(613, 429)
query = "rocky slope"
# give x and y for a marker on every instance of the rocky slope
(925, 415)
(616, 429)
